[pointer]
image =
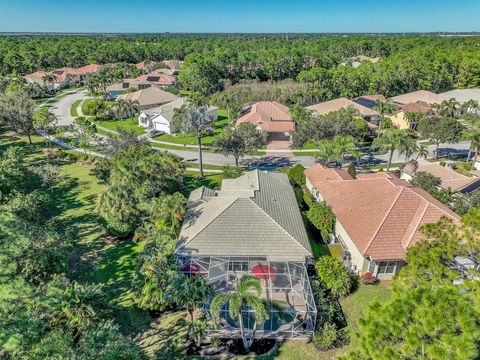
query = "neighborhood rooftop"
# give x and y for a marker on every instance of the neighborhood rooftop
(269, 116)
(150, 96)
(420, 95)
(254, 215)
(449, 178)
(326, 107)
(381, 214)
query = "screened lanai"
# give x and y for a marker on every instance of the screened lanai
(285, 284)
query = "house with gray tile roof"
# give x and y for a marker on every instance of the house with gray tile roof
(251, 225)
(254, 215)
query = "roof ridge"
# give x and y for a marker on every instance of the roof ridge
(280, 226)
(383, 220)
(430, 202)
(420, 218)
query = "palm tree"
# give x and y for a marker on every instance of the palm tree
(474, 138)
(389, 141)
(245, 298)
(413, 118)
(199, 122)
(77, 307)
(120, 108)
(451, 108)
(407, 146)
(469, 106)
(447, 108)
(327, 152)
(132, 107)
(422, 151)
(46, 121)
(167, 212)
(382, 108)
(49, 79)
(72, 79)
(345, 145)
(191, 292)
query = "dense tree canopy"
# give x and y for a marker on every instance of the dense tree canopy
(407, 63)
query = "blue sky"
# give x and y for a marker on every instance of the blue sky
(239, 16)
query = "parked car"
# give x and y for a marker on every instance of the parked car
(154, 133)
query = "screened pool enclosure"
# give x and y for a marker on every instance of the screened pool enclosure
(285, 283)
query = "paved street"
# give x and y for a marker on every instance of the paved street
(61, 109)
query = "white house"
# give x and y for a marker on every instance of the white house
(160, 118)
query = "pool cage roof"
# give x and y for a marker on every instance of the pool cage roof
(285, 284)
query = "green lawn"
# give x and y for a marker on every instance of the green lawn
(84, 105)
(126, 124)
(192, 182)
(73, 109)
(189, 139)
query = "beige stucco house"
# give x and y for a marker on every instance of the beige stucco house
(400, 118)
(378, 216)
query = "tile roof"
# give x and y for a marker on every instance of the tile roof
(61, 73)
(91, 68)
(462, 95)
(157, 78)
(142, 65)
(326, 107)
(36, 75)
(449, 178)
(270, 116)
(418, 106)
(420, 95)
(381, 214)
(150, 96)
(173, 64)
(256, 214)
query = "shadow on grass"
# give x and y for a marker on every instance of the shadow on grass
(191, 182)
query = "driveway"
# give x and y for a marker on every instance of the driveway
(61, 108)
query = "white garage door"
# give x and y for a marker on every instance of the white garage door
(162, 127)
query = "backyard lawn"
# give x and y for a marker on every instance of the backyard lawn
(98, 259)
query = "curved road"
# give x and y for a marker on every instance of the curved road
(61, 109)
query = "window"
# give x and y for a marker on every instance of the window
(386, 267)
(238, 266)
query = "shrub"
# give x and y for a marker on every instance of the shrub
(307, 197)
(426, 181)
(334, 276)
(352, 171)
(322, 217)
(325, 337)
(93, 107)
(367, 279)
(232, 172)
(296, 175)
(172, 90)
(216, 341)
(299, 195)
